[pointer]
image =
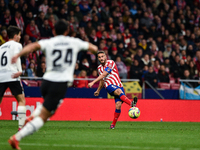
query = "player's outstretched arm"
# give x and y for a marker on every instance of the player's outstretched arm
(27, 49)
(103, 75)
(92, 48)
(101, 84)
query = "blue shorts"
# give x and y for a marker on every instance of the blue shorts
(111, 88)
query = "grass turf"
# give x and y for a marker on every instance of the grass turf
(96, 135)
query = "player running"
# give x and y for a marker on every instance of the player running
(109, 77)
(61, 53)
(9, 73)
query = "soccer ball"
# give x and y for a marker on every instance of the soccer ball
(134, 112)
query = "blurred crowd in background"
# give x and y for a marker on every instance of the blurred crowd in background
(153, 40)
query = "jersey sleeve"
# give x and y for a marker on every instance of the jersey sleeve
(98, 70)
(107, 69)
(82, 44)
(17, 48)
(112, 65)
(43, 44)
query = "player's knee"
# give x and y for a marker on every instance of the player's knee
(45, 114)
(118, 92)
(118, 105)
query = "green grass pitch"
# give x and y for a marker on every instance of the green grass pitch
(73, 135)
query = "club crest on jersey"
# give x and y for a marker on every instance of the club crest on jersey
(108, 69)
(110, 65)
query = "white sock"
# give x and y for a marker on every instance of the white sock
(21, 110)
(37, 111)
(30, 128)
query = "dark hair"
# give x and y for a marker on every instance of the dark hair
(162, 65)
(198, 50)
(12, 31)
(100, 52)
(187, 70)
(45, 19)
(60, 27)
(30, 65)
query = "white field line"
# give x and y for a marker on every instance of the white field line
(102, 146)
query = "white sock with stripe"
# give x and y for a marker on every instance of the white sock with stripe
(37, 111)
(30, 128)
(21, 110)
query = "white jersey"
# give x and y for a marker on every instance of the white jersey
(7, 51)
(61, 54)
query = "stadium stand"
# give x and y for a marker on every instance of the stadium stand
(167, 30)
(30, 83)
(163, 85)
(174, 86)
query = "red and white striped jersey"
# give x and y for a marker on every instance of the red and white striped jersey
(113, 77)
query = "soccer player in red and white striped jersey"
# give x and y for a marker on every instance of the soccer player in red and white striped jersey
(112, 78)
(109, 77)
